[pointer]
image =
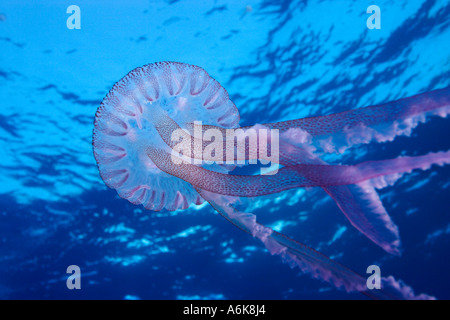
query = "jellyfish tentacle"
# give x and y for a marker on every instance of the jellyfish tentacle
(363, 208)
(339, 131)
(336, 132)
(359, 201)
(307, 259)
(292, 155)
(292, 252)
(356, 198)
(351, 187)
(325, 175)
(287, 177)
(431, 101)
(361, 204)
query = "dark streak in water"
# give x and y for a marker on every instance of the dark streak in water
(4, 74)
(172, 20)
(69, 96)
(7, 126)
(141, 39)
(6, 39)
(216, 9)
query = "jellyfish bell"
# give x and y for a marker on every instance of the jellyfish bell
(124, 128)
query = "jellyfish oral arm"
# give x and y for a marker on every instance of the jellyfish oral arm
(380, 123)
(352, 187)
(337, 132)
(291, 251)
(288, 177)
(303, 140)
(310, 261)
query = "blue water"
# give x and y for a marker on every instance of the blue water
(278, 60)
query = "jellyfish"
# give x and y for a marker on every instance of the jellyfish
(167, 136)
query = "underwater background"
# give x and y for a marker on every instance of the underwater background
(278, 60)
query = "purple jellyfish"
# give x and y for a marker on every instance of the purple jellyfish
(167, 136)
